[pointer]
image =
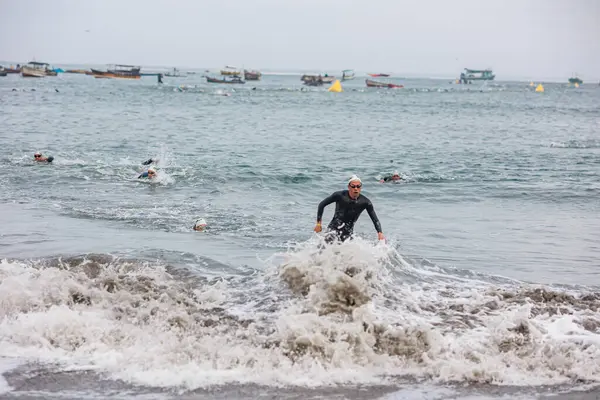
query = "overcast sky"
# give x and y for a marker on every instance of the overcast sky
(519, 39)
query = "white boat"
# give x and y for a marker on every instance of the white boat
(36, 69)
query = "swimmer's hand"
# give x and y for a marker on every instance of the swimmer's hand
(318, 227)
(380, 236)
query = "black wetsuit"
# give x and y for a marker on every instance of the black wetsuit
(347, 211)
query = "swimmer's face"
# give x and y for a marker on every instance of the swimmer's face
(396, 177)
(151, 174)
(354, 188)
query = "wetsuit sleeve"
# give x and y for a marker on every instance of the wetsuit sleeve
(148, 162)
(331, 199)
(373, 216)
(143, 175)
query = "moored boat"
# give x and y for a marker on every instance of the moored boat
(348, 74)
(316, 80)
(470, 75)
(36, 69)
(377, 84)
(231, 71)
(575, 80)
(233, 80)
(119, 71)
(252, 75)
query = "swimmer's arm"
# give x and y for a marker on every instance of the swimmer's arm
(373, 216)
(331, 199)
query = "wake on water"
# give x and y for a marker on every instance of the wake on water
(352, 313)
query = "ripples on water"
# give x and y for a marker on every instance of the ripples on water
(500, 189)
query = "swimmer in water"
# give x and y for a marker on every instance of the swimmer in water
(150, 174)
(150, 161)
(40, 158)
(395, 177)
(200, 225)
(349, 204)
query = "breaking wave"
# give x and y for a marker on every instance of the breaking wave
(316, 316)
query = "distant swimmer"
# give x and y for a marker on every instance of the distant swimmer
(150, 161)
(395, 177)
(200, 225)
(349, 204)
(40, 158)
(150, 174)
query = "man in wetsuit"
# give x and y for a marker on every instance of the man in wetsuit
(349, 204)
(40, 158)
(150, 174)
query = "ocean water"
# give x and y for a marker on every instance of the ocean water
(488, 285)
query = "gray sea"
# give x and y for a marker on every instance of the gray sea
(487, 287)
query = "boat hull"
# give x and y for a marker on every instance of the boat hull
(114, 75)
(27, 72)
(376, 84)
(224, 81)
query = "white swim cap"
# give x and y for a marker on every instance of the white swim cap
(200, 224)
(354, 178)
(396, 173)
(37, 153)
(152, 169)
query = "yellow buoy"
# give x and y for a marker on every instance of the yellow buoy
(336, 87)
(539, 88)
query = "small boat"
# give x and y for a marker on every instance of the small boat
(376, 84)
(470, 75)
(35, 69)
(119, 71)
(12, 70)
(233, 80)
(379, 75)
(231, 71)
(3, 72)
(348, 74)
(252, 75)
(576, 80)
(311, 79)
(174, 73)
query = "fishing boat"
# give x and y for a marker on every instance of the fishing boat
(118, 71)
(13, 70)
(379, 75)
(231, 71)
(36, 69)
(470, 75)
(376, 84)
(174, 73)
(348, 74)
(575, 80)
(233, 80)
(252, 75)
(311, 79)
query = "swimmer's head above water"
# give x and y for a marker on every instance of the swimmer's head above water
(200, 225)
